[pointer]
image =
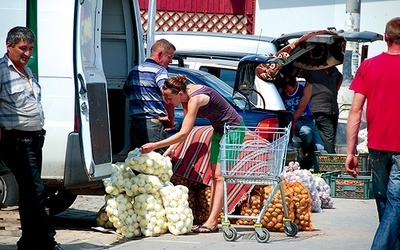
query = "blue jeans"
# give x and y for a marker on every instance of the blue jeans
(23, 155)
(307, 132)
(386, 185)
(144, 130)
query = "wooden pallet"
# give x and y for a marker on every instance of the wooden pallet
(9, 222)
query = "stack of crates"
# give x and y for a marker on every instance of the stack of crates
(332, 167)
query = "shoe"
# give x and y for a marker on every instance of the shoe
(2, 205)
(57, 247)
(205, 229)
(54, 246)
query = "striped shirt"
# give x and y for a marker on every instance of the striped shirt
(20, 106)
(144, 83)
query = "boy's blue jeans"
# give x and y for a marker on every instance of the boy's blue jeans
(311, 140)
(386, 185)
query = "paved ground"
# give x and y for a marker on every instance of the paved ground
(75, 227)
(351, 225)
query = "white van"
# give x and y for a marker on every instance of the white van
(84, 51)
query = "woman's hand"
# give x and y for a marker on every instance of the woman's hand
(148, 147)
(170, 151)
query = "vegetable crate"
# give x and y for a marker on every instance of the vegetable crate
(254, 156)
(327, 176)
(333, 162)
(346, 186)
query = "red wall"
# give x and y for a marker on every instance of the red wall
(210, 6)
(239, 15)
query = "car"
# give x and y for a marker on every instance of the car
(252, 116)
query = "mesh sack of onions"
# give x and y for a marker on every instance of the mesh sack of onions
(152, 163)
(177, 210)
(120, 212)
(150, 214)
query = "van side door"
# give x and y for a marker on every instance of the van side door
(92, 104)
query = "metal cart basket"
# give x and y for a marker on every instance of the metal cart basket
(255, 156)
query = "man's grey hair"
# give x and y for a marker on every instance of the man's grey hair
(16, 34)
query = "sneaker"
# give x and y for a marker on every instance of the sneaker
(54, 246)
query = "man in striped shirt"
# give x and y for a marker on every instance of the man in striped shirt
(150, 115)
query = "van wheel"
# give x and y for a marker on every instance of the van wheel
(59, 200)
(8, 190)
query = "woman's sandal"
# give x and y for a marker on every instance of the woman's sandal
(205, 229)
(195, 227)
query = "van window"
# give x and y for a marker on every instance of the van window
(226, 75)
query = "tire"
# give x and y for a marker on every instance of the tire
(264, 237)
(59, 200)
(292, 230)
(230, 234)
(8, 190)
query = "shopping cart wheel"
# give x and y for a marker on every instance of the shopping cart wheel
(264, 237)
(291, 230)
(230, 234)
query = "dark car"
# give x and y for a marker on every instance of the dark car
(252, 116)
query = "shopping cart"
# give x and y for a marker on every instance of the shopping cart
(254, 156)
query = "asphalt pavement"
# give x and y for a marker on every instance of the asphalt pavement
(350, 225)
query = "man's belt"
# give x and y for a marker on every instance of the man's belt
(22, 133)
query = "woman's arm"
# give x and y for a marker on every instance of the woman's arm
(188, 122)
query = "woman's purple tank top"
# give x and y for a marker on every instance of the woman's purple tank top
(218, 111)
